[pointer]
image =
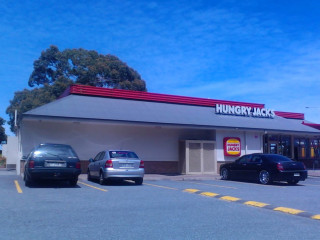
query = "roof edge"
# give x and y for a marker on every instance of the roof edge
(151, 97)
(78, 89)
(313, 125)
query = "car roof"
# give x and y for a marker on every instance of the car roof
(113, 150)
(265, 154)
(55, 144)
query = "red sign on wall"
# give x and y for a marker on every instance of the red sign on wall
(232, 146)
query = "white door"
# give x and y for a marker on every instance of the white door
(200, 157)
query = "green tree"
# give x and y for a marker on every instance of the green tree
(55, 70)
(3, 136)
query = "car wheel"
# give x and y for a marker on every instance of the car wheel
(293, 182)
(73, 182)
(89, 175)
(101, 179)
(264, 177)
(225, 174)
(138, 181)
(27, 180)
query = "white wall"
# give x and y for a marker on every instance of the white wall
(10, 151)
(251, 142)
(151, 143)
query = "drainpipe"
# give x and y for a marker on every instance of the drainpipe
(245, 142)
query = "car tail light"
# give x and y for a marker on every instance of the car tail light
(109, 163)
(141, 164)
(280, 167)
(78, 165)
(31, 164)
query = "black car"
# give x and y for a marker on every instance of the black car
(52, 162)
(265, 168)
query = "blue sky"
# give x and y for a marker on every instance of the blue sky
(259, 51)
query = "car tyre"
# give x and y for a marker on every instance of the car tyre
(225, 175)
(293, 182)
(27, 180)
(264, 177)
(138, 181)
(101, 179)
(73, 182)
(89, 175)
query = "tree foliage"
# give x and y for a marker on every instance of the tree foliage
(84, 67)
(3, 136)
(55, 70)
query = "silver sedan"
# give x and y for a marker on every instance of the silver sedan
(116, 164)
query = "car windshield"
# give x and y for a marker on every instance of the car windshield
(278, 158)
(122, 154)
(55, 150)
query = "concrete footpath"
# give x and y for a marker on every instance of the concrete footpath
(174, 177)
(191, 177)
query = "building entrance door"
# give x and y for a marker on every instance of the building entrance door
(200, 157)
(273, 147)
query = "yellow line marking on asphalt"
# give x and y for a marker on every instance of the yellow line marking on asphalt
(209, 194)
(191, 190)
(213, 185)
(18, 186)
(288, 210)
(104, 190)
(229, 198)
(317, 217)
(256, 204)
(159, 186)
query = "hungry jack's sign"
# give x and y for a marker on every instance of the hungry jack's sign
(232, 146)
(244, 111)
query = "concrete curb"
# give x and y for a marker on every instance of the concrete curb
(182, 177)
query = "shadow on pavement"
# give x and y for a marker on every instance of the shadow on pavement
(51, 184)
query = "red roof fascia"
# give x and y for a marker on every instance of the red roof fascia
(165, 98)
(154, 97)
(314, 125)
(291, 115)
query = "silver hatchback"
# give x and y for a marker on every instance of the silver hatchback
(116, 164)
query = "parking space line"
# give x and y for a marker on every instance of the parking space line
(191, 190)
(288, 210)
(256, 204)
(292, 211)
(230, 199)
(104, 190)
(19, 190)
(317, 217)
(209, 194)
(159, 186)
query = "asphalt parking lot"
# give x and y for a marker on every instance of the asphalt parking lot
(164, 207)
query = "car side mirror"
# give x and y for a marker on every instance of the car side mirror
(91, 160)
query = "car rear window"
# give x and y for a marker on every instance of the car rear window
(55, 150)
(278, 158)
(122, 154)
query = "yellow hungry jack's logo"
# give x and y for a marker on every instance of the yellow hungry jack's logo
(232, 146)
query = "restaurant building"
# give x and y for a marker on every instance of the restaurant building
(172, 134)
